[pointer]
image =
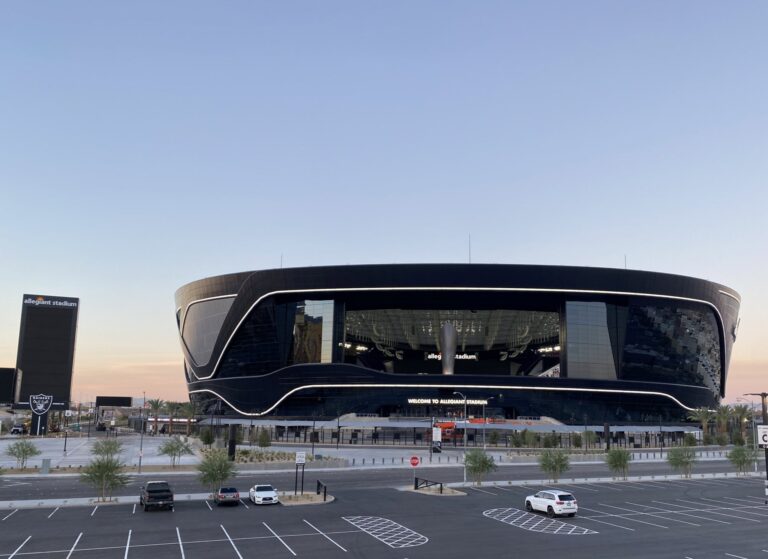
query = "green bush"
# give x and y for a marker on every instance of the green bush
(530, 439)
(551, 440)
(215, 468)
(682, 459)
(707, 439)
(264, 440)
(105, 473)
(107, 448)
(22, 451)
(493, 438)
(174, 448)
(738, 440)
(206, 437)
(479, 464)
(618, 460)
(517, 439)
(742, 457)
(589, 438)
(554, 463)
(576, 440)
(689, 439)
(721, 439)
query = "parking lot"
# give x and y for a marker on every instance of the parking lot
(712, 518)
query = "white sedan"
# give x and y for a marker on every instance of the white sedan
(263, 495)
(552, 501)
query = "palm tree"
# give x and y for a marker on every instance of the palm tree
(173, 409)
(155, 406)
(723, 415)
(189, 411)
(742, 414)
(703, 416)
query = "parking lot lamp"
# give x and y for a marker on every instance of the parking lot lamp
(763, 397)
(465, 434)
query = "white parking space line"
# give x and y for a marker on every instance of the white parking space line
(94, 510)
(684, 513)
(507, 489)
(127, 545)
(636, 512)
(663, 512)
(134, 509)
(279, 538)
(12, 555)
(579, 488)
(604, 486)
(712, 510)
(736, 556)
(642, 484)
(608, 523)
(624, 517)
(740, 509)
(230, 540)
(325, 535)
(181, 546)
(482, 491)
(54, 512)
(246, 506)
(209, 505)
(74, 545)
(754, 499)
(387, 531)
(532, 522)
(10, 515)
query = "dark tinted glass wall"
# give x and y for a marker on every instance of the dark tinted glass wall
(648, 340)
(201, 327)
(47, 347)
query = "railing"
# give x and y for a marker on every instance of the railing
(321, 487)
(419, 483)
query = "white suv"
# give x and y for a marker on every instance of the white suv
(552, 501)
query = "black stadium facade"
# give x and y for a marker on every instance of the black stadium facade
(401, 340)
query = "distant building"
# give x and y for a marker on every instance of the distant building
(575, 344)
(46, 349)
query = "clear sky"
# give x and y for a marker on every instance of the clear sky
(144, 145)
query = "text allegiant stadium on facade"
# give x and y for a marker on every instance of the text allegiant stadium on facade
(400, 340)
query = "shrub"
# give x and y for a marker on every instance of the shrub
(493, 438)
(215, 468)
(479, 464)
(517, 439)
(576, 440)
(742, 457)
(22, 451)
(689, 439)
(551, 440)
(206, 437)
(721, 439)
(738, 440)
(107, 448)
(530, 438)
(106, 474)
(174, 448)
(264, 440)
(589, 438)
(554, 463)
(707, 439)
(682, 458)
(618, 460)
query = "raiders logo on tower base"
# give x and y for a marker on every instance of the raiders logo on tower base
(40, 403)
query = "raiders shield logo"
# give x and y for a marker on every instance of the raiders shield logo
(40, 403)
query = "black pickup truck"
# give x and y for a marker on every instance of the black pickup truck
(157, 494)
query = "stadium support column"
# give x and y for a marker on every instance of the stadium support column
(448, 341)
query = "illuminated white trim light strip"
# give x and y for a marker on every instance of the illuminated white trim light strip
(453, 386)
(731, 295)
(491, 289)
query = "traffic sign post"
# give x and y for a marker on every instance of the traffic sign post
(301, 460)
(762, 435)
(414, 463)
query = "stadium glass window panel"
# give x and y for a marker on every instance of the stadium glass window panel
(202, 325)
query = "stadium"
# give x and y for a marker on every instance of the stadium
(422, 340)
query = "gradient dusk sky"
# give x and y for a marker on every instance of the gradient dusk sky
(147, 144)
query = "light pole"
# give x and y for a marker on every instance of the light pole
(141, 435)
(763, 397)
(485, 404)
(465, 434)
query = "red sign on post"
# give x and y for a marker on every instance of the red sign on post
(414, 461)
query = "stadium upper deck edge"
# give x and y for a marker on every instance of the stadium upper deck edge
(574, 343)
